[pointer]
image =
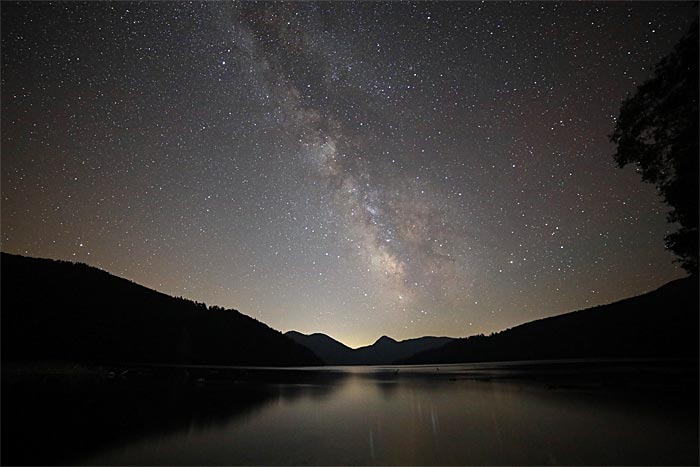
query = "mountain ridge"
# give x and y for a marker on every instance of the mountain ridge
(59, 310)
(383, 351)
(662, 323)
(49, 313)
(386, 339)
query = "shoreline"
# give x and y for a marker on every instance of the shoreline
(649, 374)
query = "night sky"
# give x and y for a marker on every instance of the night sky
(356, 169)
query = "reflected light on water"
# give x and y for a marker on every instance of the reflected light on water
(383, 418)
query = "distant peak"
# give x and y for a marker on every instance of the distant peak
(386, 340)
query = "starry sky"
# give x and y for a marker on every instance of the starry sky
(357, 169)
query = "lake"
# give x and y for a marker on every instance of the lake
(574, 412)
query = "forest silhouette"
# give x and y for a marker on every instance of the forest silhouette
(659, 324)
(56, 310)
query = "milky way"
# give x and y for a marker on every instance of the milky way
(356, 169)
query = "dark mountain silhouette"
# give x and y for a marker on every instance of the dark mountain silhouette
(383, 352)
(57, 310)
(325, 347)
(659, 324)
(386, 350)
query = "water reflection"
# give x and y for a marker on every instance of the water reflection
(354, 416)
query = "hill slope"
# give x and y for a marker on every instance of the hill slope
(662, 323)
(56, 310)
(383, 352)
(331, 351)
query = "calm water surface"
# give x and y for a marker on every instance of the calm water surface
(452, 415)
